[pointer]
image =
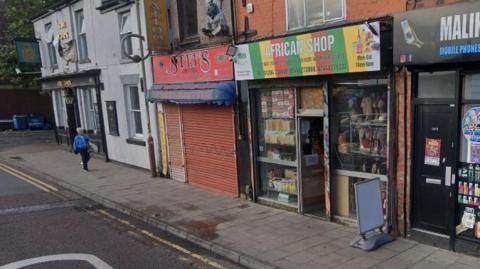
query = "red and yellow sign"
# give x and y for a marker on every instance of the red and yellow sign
(341, 50)
(210, 64)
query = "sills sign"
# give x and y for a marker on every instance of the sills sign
(438, 35)
(340, 50)
(189, 61)
(210, 64)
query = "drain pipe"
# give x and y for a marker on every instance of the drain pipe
(150, 145)
(405, 149)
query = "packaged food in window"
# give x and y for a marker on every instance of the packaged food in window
(290, 174)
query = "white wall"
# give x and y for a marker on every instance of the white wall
(103, 39)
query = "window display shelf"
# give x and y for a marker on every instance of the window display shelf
(363, 153)
(279, 162)
(364, 175)
(279, 145)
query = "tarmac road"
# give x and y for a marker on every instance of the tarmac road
(43, 227)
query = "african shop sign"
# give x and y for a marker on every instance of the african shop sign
(438, 35)
(341, 50)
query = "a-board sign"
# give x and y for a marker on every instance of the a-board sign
(369, 205)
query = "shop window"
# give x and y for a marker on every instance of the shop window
(304, 13)
(90, 110)
(359, 129)
(187, 16)
(59, 108)
(471, 89)
(81, 36)
(52, 54)
(134, 113)
(276, 145)
(311, 100)
(436, 84)
(126, 29)
(468, 194)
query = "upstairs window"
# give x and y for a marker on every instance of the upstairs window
(187, 19)
(81, 36)
(52, 54)
(126, 29)
(305, 13)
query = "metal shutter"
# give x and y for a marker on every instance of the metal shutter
(174, 137)
(209, 141)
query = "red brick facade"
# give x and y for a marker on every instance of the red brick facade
(269, 16)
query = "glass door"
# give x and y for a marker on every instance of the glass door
(311, 163)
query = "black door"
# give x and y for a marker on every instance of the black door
(435, 127)
(71, 114)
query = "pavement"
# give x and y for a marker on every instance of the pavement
(51, 227)
(247, 233)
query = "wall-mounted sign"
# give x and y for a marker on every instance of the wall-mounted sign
(471, 124)
(157, 25)
(340, 50)
(438, 35)
(211, 64)
(28, 52)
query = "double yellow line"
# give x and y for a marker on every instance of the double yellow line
(139, 232)
(27, 178)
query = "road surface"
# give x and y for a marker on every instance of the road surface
(44, 227)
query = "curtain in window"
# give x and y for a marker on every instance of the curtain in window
(333, 9)
(314, 10)
(296, 16)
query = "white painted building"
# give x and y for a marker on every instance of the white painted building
(89, 79)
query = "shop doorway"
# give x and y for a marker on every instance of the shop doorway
(71, 114)
(311, 163)
(434, 160)
(434, 164)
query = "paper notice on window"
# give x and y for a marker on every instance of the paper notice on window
(432, 151)
(474, 153)
(468, 218)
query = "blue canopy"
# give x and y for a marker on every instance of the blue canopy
(214, 93)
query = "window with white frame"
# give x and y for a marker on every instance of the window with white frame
(52, 54)
(125, 29)
(305, 13)
(134, 113)
(59, 108)
(88, 112)
(81, 36)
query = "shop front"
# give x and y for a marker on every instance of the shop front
(196, 97)
(77, 103)
(320, 116)
(441, 49)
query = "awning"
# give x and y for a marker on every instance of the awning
(215, 93)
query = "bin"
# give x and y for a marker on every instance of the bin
(36, 122)
(20, 122)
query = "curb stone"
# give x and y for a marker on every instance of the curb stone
(230, 254)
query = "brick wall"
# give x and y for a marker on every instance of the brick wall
(268, 17)
(412, 4)
(362, 9)
(268, 23)
(404, 156)
(25, 102)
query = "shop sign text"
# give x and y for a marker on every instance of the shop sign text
(202, 65)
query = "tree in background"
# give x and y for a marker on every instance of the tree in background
(15, 22)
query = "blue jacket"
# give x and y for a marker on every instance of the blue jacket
(80, 142)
